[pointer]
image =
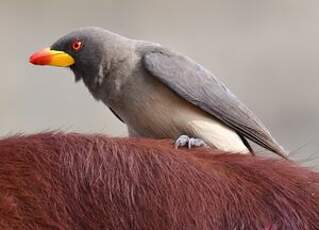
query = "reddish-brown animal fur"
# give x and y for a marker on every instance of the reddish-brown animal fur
(73, 181)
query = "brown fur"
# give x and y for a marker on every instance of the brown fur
(73, 181)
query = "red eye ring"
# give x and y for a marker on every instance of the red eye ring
(77, 45)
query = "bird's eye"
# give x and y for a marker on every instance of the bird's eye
(77, 45)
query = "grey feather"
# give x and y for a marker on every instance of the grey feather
(201, 88)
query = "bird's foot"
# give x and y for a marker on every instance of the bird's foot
(184, 140)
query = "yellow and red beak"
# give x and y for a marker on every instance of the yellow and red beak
(51, 57)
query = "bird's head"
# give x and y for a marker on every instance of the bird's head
(84, 51)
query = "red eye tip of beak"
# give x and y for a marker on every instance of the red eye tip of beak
(41, 57)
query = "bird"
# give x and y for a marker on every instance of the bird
(158, 92)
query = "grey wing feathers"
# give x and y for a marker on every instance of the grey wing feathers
(198, 86)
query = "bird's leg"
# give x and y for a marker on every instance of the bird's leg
(190, 142)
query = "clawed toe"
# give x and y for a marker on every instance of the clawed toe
(190, 142)
(195, 142)
(181, 141)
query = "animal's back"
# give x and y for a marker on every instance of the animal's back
(73, 181)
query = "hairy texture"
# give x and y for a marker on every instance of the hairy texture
(74, 181)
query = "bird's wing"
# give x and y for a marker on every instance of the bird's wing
(200, 87)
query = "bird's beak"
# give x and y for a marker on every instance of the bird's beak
(51, 57)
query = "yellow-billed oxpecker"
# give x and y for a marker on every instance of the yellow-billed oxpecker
(157, 92)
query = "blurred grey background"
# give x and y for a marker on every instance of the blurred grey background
(267, 52)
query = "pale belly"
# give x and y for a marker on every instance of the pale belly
(163, 114)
